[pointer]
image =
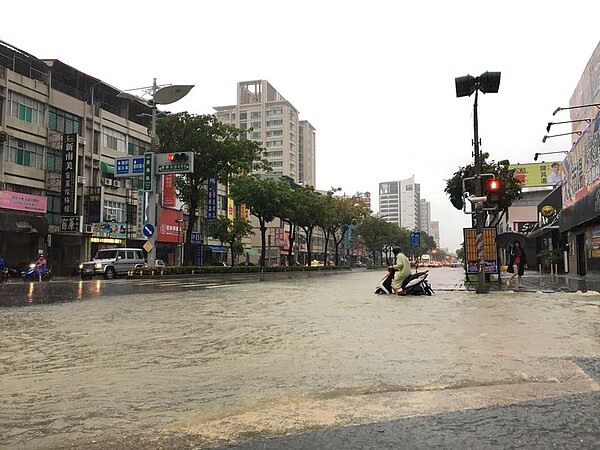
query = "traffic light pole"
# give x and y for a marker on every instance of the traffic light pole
(153, 193)
(482, 288)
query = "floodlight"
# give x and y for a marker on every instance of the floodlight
(489, 82)
(465, 86)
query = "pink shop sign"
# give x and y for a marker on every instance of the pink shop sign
(23, 202)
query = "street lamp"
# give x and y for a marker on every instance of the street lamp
(488, 83)
(535, 157)
(160, 95)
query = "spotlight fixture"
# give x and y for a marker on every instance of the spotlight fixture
(567, 121)
(536, 156)
(597, 105)
(561, 134)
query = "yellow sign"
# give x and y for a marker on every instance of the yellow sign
(534, 174)
(148, 246)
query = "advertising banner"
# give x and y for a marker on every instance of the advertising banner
(23, 202)
(538, 174)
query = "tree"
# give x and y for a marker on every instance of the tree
(309, 212)
(263, 196)
(512, 186)
(219, 153)
(348, 211)
(231, 232)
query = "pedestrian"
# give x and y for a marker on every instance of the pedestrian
(402, 267)
(516, 264)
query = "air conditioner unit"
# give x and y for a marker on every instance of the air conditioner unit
(117, 183)
(82, 141)
(107, 182)
(88, 228)
(80, 180)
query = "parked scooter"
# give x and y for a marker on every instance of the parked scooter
(31, 274)
(4, 275)
(414, 284)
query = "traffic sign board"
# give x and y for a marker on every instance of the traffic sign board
(148, 230)
(415, 239)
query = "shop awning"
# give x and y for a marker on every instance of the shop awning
(251, 252)
(23, 223)
(107, 168)
(218, 249)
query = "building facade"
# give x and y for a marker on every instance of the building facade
(400, 202)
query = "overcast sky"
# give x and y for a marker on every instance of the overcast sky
(376, 78)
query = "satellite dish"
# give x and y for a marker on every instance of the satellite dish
(170, 94)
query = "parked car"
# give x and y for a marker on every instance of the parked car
(160, 263)
(219, 263)
(113, 262)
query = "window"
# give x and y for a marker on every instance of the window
(114, 211)
(274, 133)
(25, 108)
(256, 135)
(274, 143)
(275, 122)
(255, 115)
(277, 163)
(54, 161)
(275, 112)
(114, 140)
(256, 125)
(275, 154)
(409, 187)
(26, 153)
(62, 121)
(243, 115)
(135, 147)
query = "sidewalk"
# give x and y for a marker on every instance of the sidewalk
(536, 282)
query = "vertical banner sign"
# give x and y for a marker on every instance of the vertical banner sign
(489, 250)
(230, 208)
(211, 204)
(168, 196)
(148, 176)
(94, 204)
(68, 205)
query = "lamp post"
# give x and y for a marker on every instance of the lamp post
(160, 95)
(488, 82)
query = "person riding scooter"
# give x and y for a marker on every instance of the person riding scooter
(40, 267)
(402, 267)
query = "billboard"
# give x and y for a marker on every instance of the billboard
(538, 174)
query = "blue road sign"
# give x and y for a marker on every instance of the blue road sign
(137, 164)
(148, 230)
(415, 239)
(122, 166)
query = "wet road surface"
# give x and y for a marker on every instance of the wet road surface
(299, 363)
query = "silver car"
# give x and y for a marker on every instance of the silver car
(113, 262)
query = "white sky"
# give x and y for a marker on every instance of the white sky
(376, 78)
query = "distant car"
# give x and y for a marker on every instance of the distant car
(219, 263)
(316, 263)
(160, 263)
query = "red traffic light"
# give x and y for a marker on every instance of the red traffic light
(177, 157)
(494, 185)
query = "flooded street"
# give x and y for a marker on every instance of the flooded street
(237, 358)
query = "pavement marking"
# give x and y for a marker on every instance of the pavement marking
(299, 414)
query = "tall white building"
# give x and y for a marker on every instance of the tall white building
(435, 232)
(272, 120)
(400, 202)
(425, 219)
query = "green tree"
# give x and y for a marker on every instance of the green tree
(347, 212)
(263, 196)
(231, 232)
(310, 212)
(219, 153)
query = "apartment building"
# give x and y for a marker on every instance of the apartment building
(290, 145)
(400, 202)
(425, 217)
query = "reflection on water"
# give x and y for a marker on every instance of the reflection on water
(79, 371)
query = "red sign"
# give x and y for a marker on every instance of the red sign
(169, 192)
(170, 227)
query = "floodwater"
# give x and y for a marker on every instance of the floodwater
(216, 361)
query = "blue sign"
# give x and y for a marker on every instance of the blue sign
(148, 230)
(415, 239)
(122, 166)
(197, 238)
(137, 164)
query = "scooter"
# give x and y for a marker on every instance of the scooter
(31, 274)
(414, 284)
(4, 275)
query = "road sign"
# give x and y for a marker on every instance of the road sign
(415, 239)
(122, 166)
(137, 165)
(148, 246)
(148, 230)
(148, 179)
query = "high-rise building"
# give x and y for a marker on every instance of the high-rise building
(425, 218)
(399, 202)
(272, 120)
(435, 231)
(366, 197)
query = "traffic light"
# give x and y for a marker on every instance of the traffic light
(177, 157)
(494, 188)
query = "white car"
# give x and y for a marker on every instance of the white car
(160, 263)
